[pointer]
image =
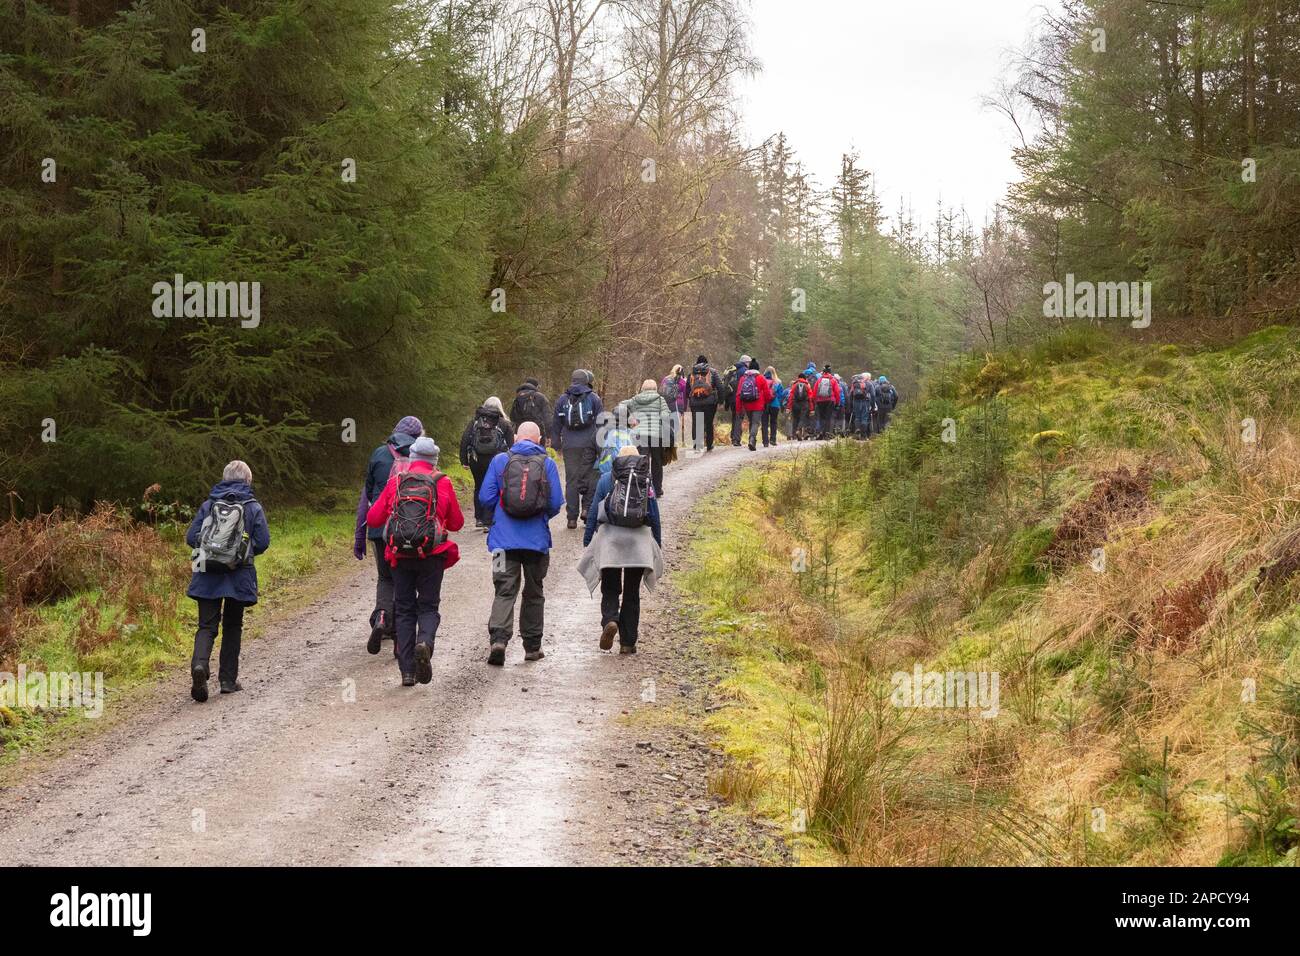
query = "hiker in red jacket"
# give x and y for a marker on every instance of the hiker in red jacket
(753, 394)
(799, 401)
(417, 510)
(826, 398)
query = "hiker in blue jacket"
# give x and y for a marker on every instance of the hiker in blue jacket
(396, 446)
(619, 559)
(520, 548)
(577, 412)
(222, 593)
(862, 404)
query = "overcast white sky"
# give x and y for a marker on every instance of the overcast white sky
(900, 80)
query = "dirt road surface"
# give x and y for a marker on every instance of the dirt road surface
(325, 760)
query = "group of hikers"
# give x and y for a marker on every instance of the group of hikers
(821, 404)
(613, 482)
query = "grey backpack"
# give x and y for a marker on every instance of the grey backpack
(222, 539)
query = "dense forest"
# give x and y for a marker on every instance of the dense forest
(1157, 142)
(440, 198)
(436, 200)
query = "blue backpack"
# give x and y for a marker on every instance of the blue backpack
(579, 414)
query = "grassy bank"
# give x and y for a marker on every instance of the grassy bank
(1112, 531)
(106, 594)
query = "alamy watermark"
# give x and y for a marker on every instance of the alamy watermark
(133, 911)
(55, 690)
(1098, 300)
(946, 689)
(208, 300)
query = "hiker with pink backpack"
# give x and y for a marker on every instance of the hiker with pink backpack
(416, 511)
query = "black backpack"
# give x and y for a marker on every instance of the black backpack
(801, 391)
(580, 412)
(413, 528)
(489, 439)
(525, 489)
(529, 407)
(628, 503)
(888, 396)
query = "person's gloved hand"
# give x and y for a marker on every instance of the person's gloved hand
(359, 544)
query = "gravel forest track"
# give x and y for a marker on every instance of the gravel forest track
(324, 759)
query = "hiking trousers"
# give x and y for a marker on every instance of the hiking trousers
(228, 615)
(417, 587)
(620, 601)
(739, 418)
(656, 455)
(383, 612)
(579, 485)
(770, 418)
(509, 568)
(478, 467)
(702, 419)
(825, 415)
(798, 425)
(862, 416)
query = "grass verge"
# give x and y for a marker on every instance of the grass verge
(1111, 532)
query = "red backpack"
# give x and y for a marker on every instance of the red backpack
(414, 529)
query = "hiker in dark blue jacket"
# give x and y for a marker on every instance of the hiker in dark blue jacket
(222, 593)
(886, 402)
(520, 548)
(398, 445)
(619, 559)
(862, 400)
(577, 439)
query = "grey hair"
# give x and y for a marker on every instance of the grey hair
(237, 471)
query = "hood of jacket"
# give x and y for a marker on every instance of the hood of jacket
(231, 491)
(577, 391)
(700, 367)
(401, 442)
(491, 414)
(650, 398)
(525, 447)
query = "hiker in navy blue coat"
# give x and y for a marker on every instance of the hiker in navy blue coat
(520, 547)
(223, 593)
(577, 440)
(397, 445)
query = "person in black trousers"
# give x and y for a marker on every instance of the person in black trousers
(488, 434)
(221, 590)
